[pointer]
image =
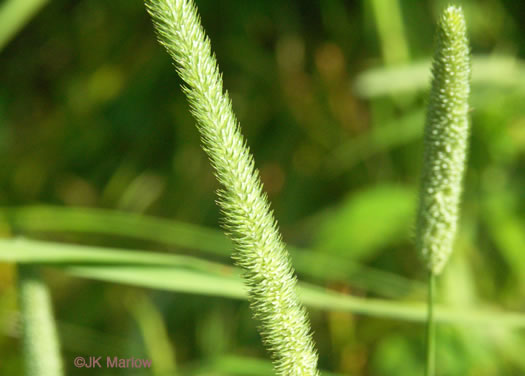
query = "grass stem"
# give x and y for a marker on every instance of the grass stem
(431, 329)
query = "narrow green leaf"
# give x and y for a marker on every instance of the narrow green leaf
(112, 222)
(39, 252)
(498, 71)
(319, 265)
(14, 14)
(190, 275)
(196, 282)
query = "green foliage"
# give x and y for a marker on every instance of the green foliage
(368, 221)
(495, 70)
(397, 355)
(506, 229)
(14, 15)
(196, 276)
(53, 220)
(98, 150)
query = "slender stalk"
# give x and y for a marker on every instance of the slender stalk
(39, 334)
(431, 330)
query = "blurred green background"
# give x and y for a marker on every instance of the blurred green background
(331, 98)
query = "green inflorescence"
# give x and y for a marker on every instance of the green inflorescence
(40, 341)
(445, 142)
(249, 221)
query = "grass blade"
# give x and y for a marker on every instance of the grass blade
(173, 279)
(500, 71)
(318, 265)
(191, 275)
(14, 14)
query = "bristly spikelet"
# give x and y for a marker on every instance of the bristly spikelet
(259, 249)
(445, 142)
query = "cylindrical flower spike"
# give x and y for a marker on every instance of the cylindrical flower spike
(259, 249)
(39, 334)
(445, 142)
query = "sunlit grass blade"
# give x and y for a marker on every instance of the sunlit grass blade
(40, 252)
(14, 14)
(190, 275)
(197, 282)
(61, 219)
(391, 31)
(497, 71)
(318, 265)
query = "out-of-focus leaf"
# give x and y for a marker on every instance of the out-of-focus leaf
(238, 365)
(73, 337)
(196, 282)
(39, 252)
(154, 333)
(501, 71)
(14, 14)
(506, 229)
(395, 355)
(212, 281)
(391, 31)
(319, 265)
(378, 139)
(136, 226)
(368, 221)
